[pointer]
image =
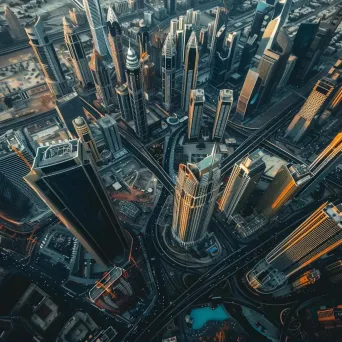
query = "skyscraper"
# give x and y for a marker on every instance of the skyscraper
(16, 197)
(248, 53)
(195, 113)
(232, 43)
(249, 91)
(143, 38)
(158, 39)
(186, 36)
(220, 20)
(17, 31)
(173, 26)
(84, 133)
(190, 71)
(312, 106)
(97, 26)
(47, 57)
(116, 47)
(181, 22)
(149, 76)
(285, 185)
(179, 48)
(168, 71)
(110, 132)
(77, 54)
(124, 102)
(241, 183)
(103, 81)
(68, 108)
(222, 113)
(170, 6)
(315, 237)
(262, 9)
(66, 178)
(136, 93)
(290, 65)
(194, 200)
(204, 40)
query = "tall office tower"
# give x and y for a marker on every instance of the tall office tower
(315, 237)
(16, 197)
(158, 39)
(196, 191)
(269, 38)
(186, 36)
(110, 132)
(249, 91)
(190, 71)
(173, 27)
(77, 54)
(222, 113)
(315, 45)
(248, 52)
(103, 81)
(195, 113)
(149, 76)
(66, 178)
(220, 59)
(241, 183)
(220, 20)
(210, 31)
(69, 107)
(286, 183)
(17, 31)
(290, 65)
(312, 106)
(325, 163)
(97, 26)
(196, 18)
(181, 22)
(232, 43)
(124, 102)
(170, 6)
(84, 133)
(143, 38)
(116, 46)
(203, 40)
(136, 94)
(261, 11)
(168, 71)
(188, 16)
(179, 48)
(47, 57)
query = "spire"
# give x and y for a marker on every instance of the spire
(111, 16)
(132, 61)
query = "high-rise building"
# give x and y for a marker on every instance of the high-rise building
(249, 91)
(124, 102)
(136, 93)
(16, 197)
(84, 133)
(290, 65)
(158, 39)
(195, 113)
(173, 26)
(66, 178)
(220, 20)
(188, 16)
(77, 54)
(47, 58)
(168, 71)
(248, 52)
(181, 22)
(313, 105)
(17, 31)
(222, 113)
(203, 40)
(232, 43)
(97, 26)
(104, 84)
(315, 237)
(179, 48)
(285, 185)
(170, 6)
(110, 132)
(261, 11)
(68, 108)
(196, 192)
(116, 47)
(149, 76)
(190, 71)
(241, 183)
(143, 38)
(186, 36)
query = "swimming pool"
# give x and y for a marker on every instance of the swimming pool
(201, 316)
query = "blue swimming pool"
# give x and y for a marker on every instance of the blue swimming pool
(201, 316)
